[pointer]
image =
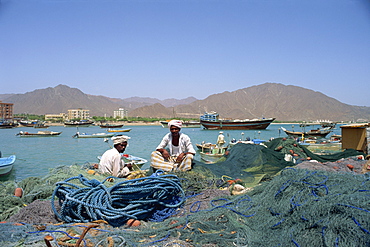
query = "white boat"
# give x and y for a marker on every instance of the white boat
(185, 124)
(211, 158)
(118, 130)
(38, 134)
(6, 164)
(96, 135)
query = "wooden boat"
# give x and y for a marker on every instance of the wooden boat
(107, 125)
(41, 126)
(29, 123)
(96, 135)
(212, 157)
(208, 147)
(185, 124)
(318, 133)
(119, 130)
(6, 124)
(84, 123)
(6, 164)
(211, 121)
(38, 134)
(253, 141)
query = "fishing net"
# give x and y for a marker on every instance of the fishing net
(255, 163)
(290, 207)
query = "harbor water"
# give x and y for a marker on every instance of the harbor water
(36, 155)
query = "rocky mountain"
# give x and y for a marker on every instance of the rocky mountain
(61, 98)
(285, 103)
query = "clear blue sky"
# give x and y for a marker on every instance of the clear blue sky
(180, 48)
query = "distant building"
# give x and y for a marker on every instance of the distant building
(120, 113)
(57, 117)
(78, 113)
(6, 110)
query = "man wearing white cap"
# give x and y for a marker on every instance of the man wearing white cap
(220, 141)
(111, 162)
(175, 152)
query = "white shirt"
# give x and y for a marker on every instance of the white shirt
(185, 145)
(111, 162)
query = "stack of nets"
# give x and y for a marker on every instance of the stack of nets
(255, 163)
(296, 208)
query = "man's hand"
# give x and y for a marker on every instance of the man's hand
(129, 165)
(180, 157)
(165, 154)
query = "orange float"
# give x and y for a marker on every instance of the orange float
(133, 222)
(18, 192)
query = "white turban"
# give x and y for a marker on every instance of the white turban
(177, 123)
(119, 139)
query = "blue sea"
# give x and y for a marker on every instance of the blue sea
(36, 155)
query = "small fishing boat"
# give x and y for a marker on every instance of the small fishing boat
(29, 123)
(7, 124)
(318, 133)
(38, 134)
(81, 123)
(213, 157)
(185, 124)
(107, 125)
(6, 164)
(96, 135)
(118, 130)
(41, 126)
(211, 121)
(207, 147)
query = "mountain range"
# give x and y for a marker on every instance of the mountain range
(284, 102)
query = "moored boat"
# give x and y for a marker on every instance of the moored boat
(84, 123)
(185, 124)
(318, 133)
(29, 123)
(108, 125)
(96, 135)
(208, 147)
(41, 126)
(38, 134)
(7, 124)
(6, 164)
(212, 157)
(118, 130)
(211, 121)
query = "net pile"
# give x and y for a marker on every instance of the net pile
(296, 208)
(291, 207)
(255, 163)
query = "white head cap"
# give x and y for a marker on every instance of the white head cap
(176, 123)
(221, 132)
(120, 139)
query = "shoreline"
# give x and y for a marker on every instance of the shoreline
(157, 123)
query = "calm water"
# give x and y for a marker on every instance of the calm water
(35, 155)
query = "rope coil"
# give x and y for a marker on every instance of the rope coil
(130, 199)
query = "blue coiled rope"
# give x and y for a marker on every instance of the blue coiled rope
(130, 199)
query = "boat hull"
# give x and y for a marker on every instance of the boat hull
(119, 130)
(39, 134)
(184, 124)
(100, 135)
(208, 147)
(210, 158)
(111, 126)
(237, 125)
(6, 165)
(317, 134)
